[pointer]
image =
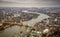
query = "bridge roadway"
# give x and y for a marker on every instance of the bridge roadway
(30, 23)
(4, 25)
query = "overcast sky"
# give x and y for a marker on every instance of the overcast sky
(29, 3)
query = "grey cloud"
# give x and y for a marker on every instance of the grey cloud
(31, 3)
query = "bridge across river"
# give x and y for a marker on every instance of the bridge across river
(9, 32)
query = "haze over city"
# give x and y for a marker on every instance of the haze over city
(29, 18)
(29, 3)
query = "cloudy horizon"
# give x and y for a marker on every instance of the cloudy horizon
(29, 3)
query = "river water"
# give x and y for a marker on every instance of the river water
(10, 32)
(38, 19)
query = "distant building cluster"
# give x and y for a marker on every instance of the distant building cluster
(19, 15)
(15, 15)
